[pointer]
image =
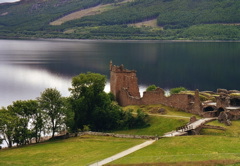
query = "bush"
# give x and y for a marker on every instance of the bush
(177, 90)
(151, 88)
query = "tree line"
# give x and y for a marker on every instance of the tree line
(87, 108)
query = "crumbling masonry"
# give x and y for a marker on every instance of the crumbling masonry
(124, 86)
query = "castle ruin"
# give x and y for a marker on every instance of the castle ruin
(124, 86)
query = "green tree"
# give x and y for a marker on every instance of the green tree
(24, 110)
(52, 105)
(94, 108)
(87, 97)
(151, 88)
(7, 125)
(177, 90)
(37, 125)
(69, 114)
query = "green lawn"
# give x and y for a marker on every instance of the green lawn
(214, 147)
(153, 108)
(159, 126)
(187, 149)
(77, 151)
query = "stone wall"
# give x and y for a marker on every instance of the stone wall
(180, 101)
(117, 135)
(124, 86)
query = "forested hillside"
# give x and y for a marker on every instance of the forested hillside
(176, 19)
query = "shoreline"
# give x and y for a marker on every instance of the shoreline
(127, 40)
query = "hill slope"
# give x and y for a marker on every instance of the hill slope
(180, 19)
(214, 147)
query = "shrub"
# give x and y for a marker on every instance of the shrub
(177, 90)
(151, 88)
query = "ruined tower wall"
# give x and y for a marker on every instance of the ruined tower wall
(120, 79)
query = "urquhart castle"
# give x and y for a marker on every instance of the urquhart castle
(124, 86)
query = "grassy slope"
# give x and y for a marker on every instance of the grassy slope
(160, 124)
(87, 12)
(186, 149)
(212, 148)
(74, 151)
(180, 19)
(220, 146)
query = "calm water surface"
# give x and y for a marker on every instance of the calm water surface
(27, 67)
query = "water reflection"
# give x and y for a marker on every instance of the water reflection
(28, 67)
(8, 1)
(24, 83)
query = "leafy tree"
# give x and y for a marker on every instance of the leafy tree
(37, 124)
(7, 125)
(87, 92)
(69, 114)
(94, 108)
(151, 88)
(37, 120)
(24, 110)
(177, 90)
(52, 105)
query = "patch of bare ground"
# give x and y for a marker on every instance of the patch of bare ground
(79, 14)
(192, 163)
(4, 14)
(87, 12)
(148, 23)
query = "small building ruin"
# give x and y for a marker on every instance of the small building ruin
(223, 104)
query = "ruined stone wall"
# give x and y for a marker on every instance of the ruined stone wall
(154, 97)
(124, 86)
(222, 101)
(181, 101)
(117, 135)
(126, 99)
(234, 114)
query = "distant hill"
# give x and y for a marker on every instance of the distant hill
(122, 19)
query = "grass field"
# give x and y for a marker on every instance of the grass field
(213, 147)
(188, 149)
(77, 151)
(159, 126)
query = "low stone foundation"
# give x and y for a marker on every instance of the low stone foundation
(116, 135)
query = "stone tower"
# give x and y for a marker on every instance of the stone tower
(122, 81)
